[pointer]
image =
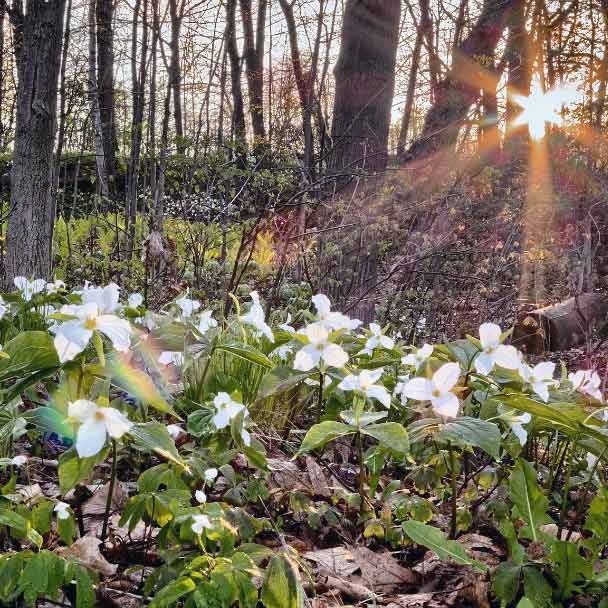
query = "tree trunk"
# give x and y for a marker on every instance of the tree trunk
(365, 83)
(238, 111)
(175, 72)
(519, 72)
(409, 99)
(254, 64)
(94, 103)
(38, 43)
(462, 85)
(138, 74)
(105, 86)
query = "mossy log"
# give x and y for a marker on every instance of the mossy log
(560, 326)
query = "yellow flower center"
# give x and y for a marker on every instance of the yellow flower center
(99, 416)
(90, 324)
(436, 392)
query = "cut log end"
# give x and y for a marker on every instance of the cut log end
(560, 326)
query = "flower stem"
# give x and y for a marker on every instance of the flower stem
(361, 472)
(106, 516)
(454, 491)
(320, 401)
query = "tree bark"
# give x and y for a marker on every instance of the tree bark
(254, 64)
(365, 83)
(409, 98)
(238, 110)
(93, 95)
(462, 85)
(175, 72)
(105, 86)
(138, 74)
(38, 44)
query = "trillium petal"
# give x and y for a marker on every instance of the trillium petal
(520, 432)
(483, 363)
(82, 409)
(91, 438)
(117, 424)
(322, 303)
(507, 356)
(334, 355)
(425, 352)
(372, 376)
(446, 377)
(544, 370)
(409, 360)
(21, 283)
(489, 335)
(350, 383)
(387, 342)
(447, 405)
(375, 329)
(71, 338)
(316, 333)
(307, 358)
(419, 389)
(136, 300)
(542, 390)
(118, 330)
(380, 393)
(221, 419)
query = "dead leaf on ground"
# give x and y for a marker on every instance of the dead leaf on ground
(286, 476)
(86, 552)
(482, 549)
(337, 560)
(317, 477)
(96, 505)
(413, 600)
(381, 571)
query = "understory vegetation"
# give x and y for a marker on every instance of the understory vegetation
(184, 457)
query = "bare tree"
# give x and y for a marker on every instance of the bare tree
(238, 109)
(105, 85)
(38, 41)
(254, 64)
(365, 82)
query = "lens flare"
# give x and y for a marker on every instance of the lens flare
(540, 108)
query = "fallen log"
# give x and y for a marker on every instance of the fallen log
(560, 326)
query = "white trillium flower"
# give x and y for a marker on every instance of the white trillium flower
(226, 409)
(72, 337)
(106, 298)
(61, 508)
(417, 358)
(518, 429)
(19, 460)
(400, 386)
(206, 321)
(587, 382)
(171, 357)
(437, 390)
(256, 318)
(136, 300)
(329, 319)
(28, 288)
(246, 437)
(591, 459)
(200, 496)
(3, 308)
(319, 349)
(283, 351)
(200, 522)
(175, 431)
(493, 352)
(55, 286)
(539, 377)
(211, 475)
(286, 326)
(365, 383)
(187, 306)
(376, 340)
(96, 423)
